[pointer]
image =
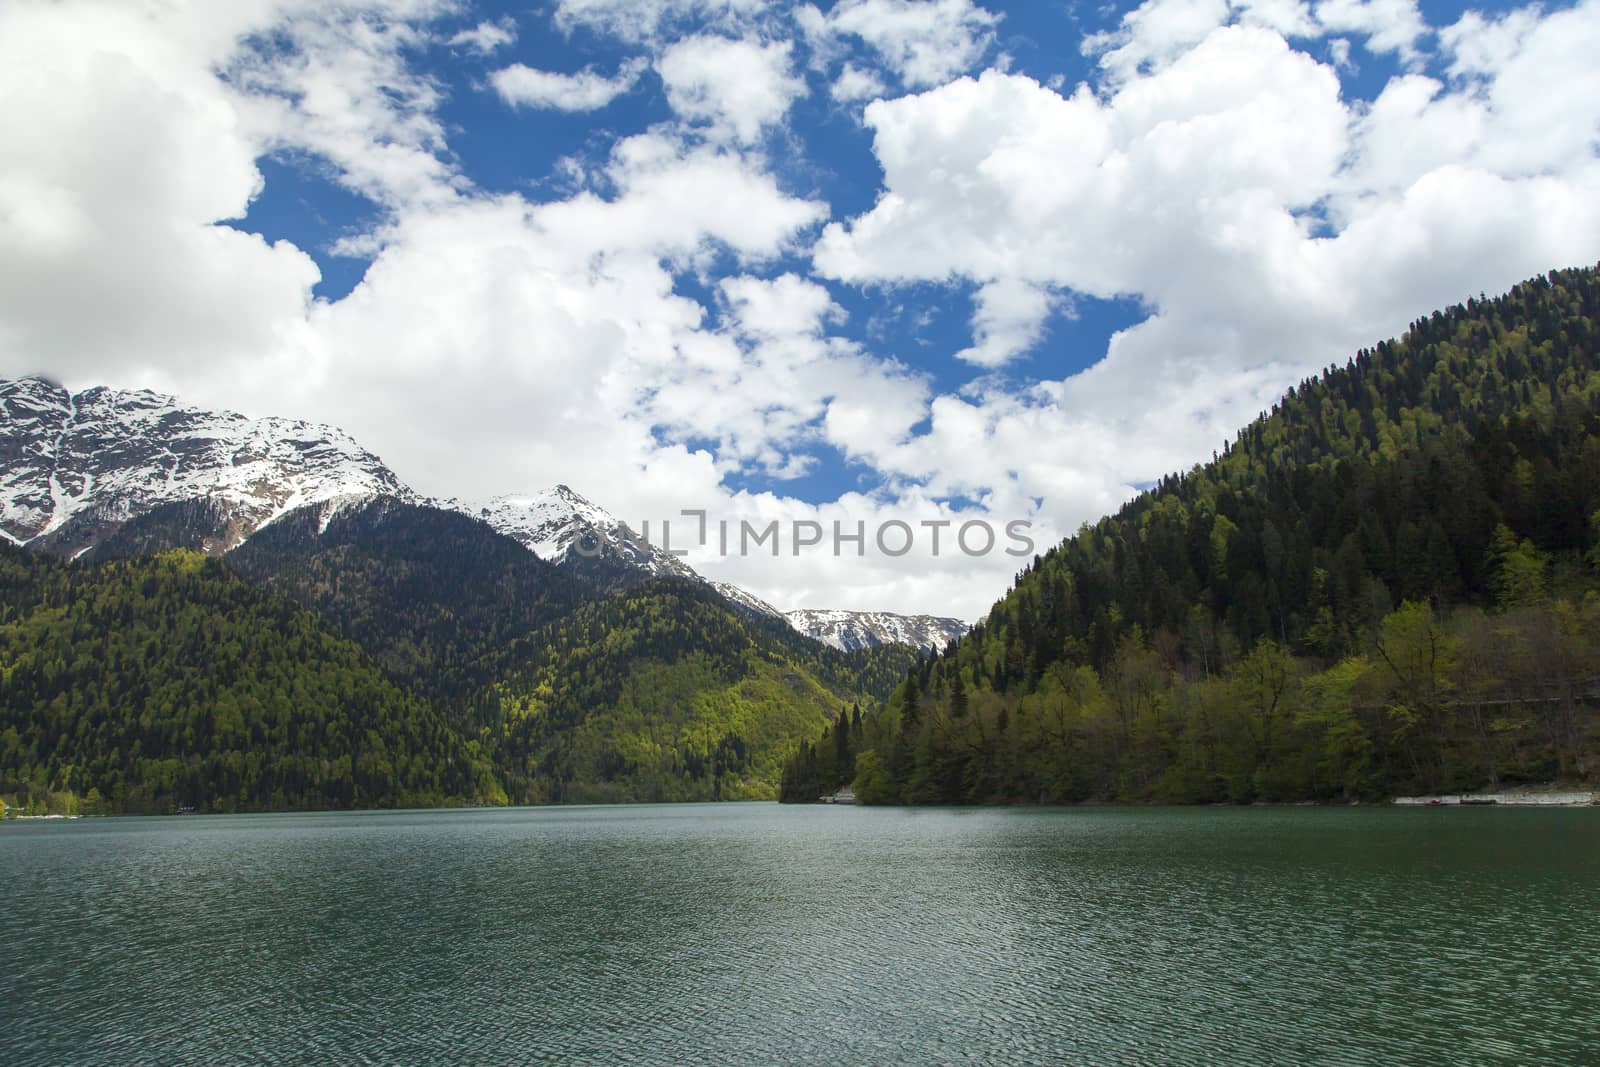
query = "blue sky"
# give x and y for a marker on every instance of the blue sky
(822, 152)
(859, 260)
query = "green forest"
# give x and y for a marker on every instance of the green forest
(625, 690)
(408, 657)
(149, 685)
(1387, 585)
(665, 694)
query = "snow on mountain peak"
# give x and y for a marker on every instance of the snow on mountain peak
(748, 601)
(559, 524)
(75, 465)
(850, 630)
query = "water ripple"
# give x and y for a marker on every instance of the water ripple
(754, 934)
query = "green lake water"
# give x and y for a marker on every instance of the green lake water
(760, 934)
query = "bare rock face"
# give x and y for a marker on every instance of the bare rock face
(75, 467)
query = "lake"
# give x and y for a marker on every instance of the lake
(765, 934)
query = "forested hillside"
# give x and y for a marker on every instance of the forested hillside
(1385, 585)
(662, 691)
(432, 660)
(151, 684)
(434, 596)
(667, 693)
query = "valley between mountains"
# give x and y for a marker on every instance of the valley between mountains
(209, 611)
(1389, 583)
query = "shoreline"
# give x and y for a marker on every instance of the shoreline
(1521, 799)
(1547, 798)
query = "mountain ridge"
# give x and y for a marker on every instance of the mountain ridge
(74, 466)
(1387, 584)
(850, 630)
(114, 472)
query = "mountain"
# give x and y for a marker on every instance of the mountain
(150, 684)
(561, 526)
(748, 602)
(113, 473)
(667, 692)
(567, 529)
(434, 596)
(850, 630)
(440, 662)
(1388, 584)
(351, 644)
(75, 466)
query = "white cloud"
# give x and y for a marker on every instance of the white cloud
(1388, 25)
(639, 21)
(924, 42)
(854, 83)
(1478, 46)
(1155, 33)
(1291, 18)
(122, 151)
(1159, 31)
(1267, 224)
(1538, 84)
(674, 202)
(1269, 227)
(735, 87)
(486, 37)
(337, 83)
(787, 306)
(999, 177)
(1008, 321)
(1339, 53)
(587, 90)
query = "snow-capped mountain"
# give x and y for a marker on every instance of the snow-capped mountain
(850, 630)
(561, 526)
(75, 466)
(747, 601)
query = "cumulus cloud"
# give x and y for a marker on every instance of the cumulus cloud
(1159, 31)
(587, 90)
(1009, 320)
(1155, 33)
(1387, 25)
(123, 151)
(641, 21)
(854, 83)
(1291, 18)
(337, 83)
(923, 42)
(734, 88)
(653, 337)
(486, 37)
(1223, 181)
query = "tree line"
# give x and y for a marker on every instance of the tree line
(1385, 584)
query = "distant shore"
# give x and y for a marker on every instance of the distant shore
(1518, 799)
(1546, 797)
